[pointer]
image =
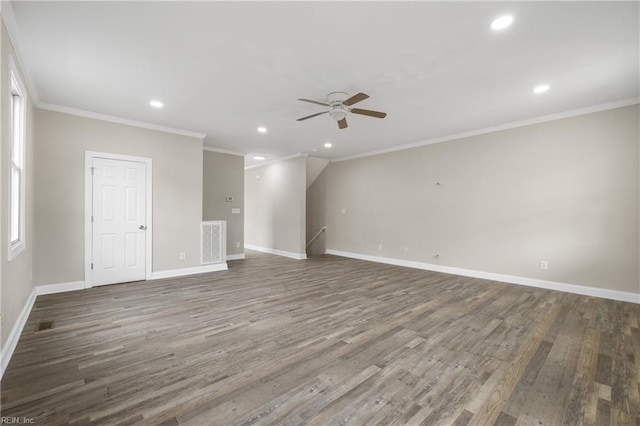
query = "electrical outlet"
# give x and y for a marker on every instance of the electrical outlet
(406, 249)
(183, 255)
(544, 264)
(379, 246)
(344, 211)
(237, 244)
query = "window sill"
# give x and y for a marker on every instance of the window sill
(15, 250)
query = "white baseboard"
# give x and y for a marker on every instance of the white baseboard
(511, 279)
(292, 255)
(240, 256)
(16, 331)
(59, 288)
(18, 327)
(189, 271)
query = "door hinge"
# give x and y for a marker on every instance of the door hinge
(91, 218)
(91, 265)
(93, 169)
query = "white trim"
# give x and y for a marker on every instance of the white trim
(511, 279)
(18, 327)
(189, 271)
(60, 287)
(277, 160)
(240, 256)
(13, 250)
(118, 120)
(11, 24)
(16, 331)
(292, 255)
(222, 151)
(507, 126)
(88, 191)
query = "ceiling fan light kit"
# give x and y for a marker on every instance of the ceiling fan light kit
(338, 112)
(339, 103)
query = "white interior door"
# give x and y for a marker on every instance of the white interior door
(119, 221)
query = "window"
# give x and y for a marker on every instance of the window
(16, 200)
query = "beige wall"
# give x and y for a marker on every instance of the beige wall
(315, 166)
(16, 278)
(316, 200)
(61, 142)
(223, 175)
(565, 191)
(275, 206)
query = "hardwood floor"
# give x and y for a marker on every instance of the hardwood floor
(325, 341)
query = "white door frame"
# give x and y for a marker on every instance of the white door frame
(88, 206)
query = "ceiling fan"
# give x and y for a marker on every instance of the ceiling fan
(339, 103)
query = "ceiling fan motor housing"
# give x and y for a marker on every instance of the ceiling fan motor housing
(337, 97)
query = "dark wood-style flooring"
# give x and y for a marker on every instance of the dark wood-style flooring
(327, 341)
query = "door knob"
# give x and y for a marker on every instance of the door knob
(144, 228)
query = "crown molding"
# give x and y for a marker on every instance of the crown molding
(222, 151)
(507, 126)
(9, 19)
(277, 160)
(119, 120)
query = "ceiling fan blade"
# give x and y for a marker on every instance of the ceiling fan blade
(370, 113)
(312, 115)
(314, 102)
(343, 123)
(355, 99)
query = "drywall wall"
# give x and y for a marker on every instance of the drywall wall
(316, 200)
(61, 142)
(16, 277)
(275, 206)
(2, 202)
(315, 166)
(223, 175)
(566, 192)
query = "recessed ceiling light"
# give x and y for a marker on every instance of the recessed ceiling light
(259, 157)
(156, 104)
(502, 22)
(328, 145)
(262, 129)
(541, 89)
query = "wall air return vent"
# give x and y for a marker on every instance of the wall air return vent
(213, 242)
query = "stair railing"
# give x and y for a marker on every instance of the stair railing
(324, 228)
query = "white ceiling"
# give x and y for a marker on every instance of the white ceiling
(226, 68)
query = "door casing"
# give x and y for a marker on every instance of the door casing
(88, 207)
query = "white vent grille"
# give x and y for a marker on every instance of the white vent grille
(213, 242)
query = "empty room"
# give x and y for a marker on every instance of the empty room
(323, 213)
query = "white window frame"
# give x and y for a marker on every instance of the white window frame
(16, 88)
